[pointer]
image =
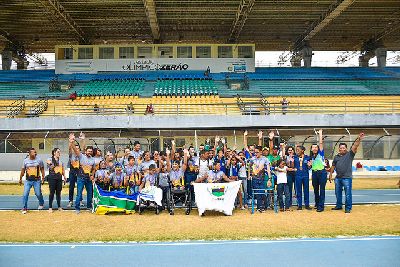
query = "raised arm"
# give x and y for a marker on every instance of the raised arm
(223, 140)
(167, 152)
(185, 159)
(72, 146)
(321, 140)
(357, 143)
(173, 147)
(82, 139)
(245, 141)
(271, 135)
(216, 142)
(260, 136)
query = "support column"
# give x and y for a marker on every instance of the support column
(381, 54)
(6, 58)
(307, 54)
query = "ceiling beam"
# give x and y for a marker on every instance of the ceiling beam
(240, 19)
(59, 12)
(151, 14)
(334, 10)
(13, 43)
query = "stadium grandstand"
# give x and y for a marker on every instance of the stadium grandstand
(192, 60)
(157, 104)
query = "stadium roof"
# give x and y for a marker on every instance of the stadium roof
(39, 25)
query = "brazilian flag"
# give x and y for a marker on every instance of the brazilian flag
(105, 202)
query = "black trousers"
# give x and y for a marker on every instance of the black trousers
(55, 185)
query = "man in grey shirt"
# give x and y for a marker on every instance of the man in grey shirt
(344, 174)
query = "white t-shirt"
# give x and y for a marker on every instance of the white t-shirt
(281, 176)
(204, 167)
(243, 170)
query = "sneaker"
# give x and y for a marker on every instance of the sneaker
(82, 205)
(299, 208)
(261, 210)
(336, 208)
(347, 211)
(60, 209)
(320, 210)
(69, 204)
(308, 208)
(77, 211)
(242, 208)
(40, 207)
(50, 210)
(24, 211)
(281, 210)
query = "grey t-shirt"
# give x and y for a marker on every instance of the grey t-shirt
(343, 165)
(32, 166)
(163, 179)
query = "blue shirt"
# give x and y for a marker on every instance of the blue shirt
(222, 162)
(302, 167)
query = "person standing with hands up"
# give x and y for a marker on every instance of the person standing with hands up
(317, 162)
(86, 173)
(342, 162)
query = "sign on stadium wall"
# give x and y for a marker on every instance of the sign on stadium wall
(235, 65)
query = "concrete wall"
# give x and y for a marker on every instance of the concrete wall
(198, 122)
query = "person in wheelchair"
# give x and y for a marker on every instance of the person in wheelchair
(178, 192)
(215, 175)
(150, 195)
(176, 175)
(133, 174)
(119, 181)
(102, 176)
(149, 179)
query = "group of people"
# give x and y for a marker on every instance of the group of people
(277, 166)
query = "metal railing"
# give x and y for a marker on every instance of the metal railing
(242, 107)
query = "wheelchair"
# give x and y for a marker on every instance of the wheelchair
(143, 203)
(178, 195)
(269, 192)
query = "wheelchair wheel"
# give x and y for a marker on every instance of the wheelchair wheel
(140, 209)
(188, 202)
(171, 204)
(157, 209)
(168, 200)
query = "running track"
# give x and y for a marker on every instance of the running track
(376, 196)
(368, 251)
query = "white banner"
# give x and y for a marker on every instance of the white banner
(152, 193)
(216, 196)
(216, 65)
